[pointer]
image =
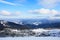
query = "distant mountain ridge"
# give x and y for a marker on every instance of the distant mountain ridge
(30, 24)
(11, 25)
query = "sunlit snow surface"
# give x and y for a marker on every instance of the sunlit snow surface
(30, 38)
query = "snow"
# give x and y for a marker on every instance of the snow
(39, 30)
(37, 23)
(46, 32)
(30, 38)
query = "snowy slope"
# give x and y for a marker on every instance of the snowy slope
(30, 38)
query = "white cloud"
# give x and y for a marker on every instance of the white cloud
(4, 12)
(18, 13)
(7, 13)
(2, 1)
(48, 3)
(45, 12)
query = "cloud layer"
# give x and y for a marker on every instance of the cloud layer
(44, 12)
(9, 3)
(44, 9)
(7, 13)
(14, 3)
(49, 3)
(4, 12)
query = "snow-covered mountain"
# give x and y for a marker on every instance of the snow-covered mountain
(30, 24)
(31, 28)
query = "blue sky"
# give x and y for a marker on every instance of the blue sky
(29, 8)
